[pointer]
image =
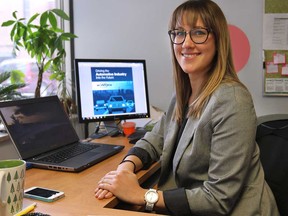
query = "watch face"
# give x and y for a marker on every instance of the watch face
(152, 197)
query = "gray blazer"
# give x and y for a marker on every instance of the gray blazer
(215, 169)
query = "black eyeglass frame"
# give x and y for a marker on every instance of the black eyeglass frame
(170, 33)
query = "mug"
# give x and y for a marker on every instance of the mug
(128, 128)
(12, 175)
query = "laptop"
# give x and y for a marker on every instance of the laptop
(39, 128)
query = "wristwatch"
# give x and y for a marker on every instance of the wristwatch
(151, 197)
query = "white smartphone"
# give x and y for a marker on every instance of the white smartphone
(43, 194)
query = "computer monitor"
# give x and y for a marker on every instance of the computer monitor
(111, 89)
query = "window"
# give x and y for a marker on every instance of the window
(21, 61)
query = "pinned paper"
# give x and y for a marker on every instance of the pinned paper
(285, 70)
(279, 58)
(271, 67)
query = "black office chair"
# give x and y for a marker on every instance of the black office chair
(272, 138)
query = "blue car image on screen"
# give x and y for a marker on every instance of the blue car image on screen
(100, 105)
(116, 103)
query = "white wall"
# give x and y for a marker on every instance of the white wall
(138, 29)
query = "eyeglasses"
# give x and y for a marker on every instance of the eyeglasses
(198, 35)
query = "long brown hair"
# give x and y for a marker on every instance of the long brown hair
(222, 68)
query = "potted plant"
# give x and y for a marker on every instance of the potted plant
(68, 103)
(9, 91)
(43, 42)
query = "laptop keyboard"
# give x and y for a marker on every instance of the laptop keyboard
(67, 153)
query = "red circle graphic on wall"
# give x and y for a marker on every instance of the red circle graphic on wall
(240, 47)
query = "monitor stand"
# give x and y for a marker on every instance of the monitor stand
(111, 128)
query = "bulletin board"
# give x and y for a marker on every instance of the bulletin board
(275, 48)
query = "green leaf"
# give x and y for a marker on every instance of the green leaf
(58, 44)
(53, 76)
(12, 33)
(61, 14)
(53, 20)
(32, 18)
(21, 29)
(19, 44)
(22, 25)
(9, 91)
(43, 18)
(58, 30)
(17, 76)
(12, 87)
(25, 34)
(14, 14)
(18, 32)
(32, 26)
(8, 23)
(4, 76)
(47, 65)
(68, 35)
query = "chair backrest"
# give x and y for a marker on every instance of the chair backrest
(272, 138)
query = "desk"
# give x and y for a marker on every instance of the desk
(79, 187)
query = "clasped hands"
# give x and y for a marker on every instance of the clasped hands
(122, 183)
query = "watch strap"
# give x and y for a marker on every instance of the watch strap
(149, 207)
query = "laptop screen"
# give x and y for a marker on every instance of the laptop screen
(37, 125)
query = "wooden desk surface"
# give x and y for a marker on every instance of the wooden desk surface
(79, 187)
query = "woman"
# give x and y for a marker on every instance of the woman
(206, 141)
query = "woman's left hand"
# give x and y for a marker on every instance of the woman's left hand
(124, 185)
(102, 194)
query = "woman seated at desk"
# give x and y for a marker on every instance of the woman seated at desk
(206, 142)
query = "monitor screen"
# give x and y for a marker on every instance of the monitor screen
(109, 90)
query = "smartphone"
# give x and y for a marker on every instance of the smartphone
(43, 194)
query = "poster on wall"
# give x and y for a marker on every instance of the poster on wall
(275, 73)
(275, 47)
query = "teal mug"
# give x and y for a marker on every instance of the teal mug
(12, 175)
